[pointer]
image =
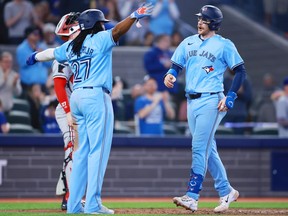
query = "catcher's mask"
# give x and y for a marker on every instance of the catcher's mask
(88, 18)
(68, 25)
(212, 15)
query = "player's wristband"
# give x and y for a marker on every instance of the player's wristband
(230, 98)
(173, 72)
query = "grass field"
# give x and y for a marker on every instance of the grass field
(143, 208)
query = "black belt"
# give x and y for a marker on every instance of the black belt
(198, 95)
(91, 87)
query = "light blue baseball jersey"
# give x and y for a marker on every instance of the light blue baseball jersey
(94, 66)
(205, 62)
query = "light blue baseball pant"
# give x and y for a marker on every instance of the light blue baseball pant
(203, 119)
(93, 112)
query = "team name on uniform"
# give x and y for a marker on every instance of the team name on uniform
(204, 53)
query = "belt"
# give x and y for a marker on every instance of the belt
(91, 87)
(198, 95)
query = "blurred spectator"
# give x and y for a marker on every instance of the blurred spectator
(282, 110)
(148, 39)
(239, 113)
(35, 74)
(157, 61)
(282, 16)
(66, 6)
(49, 37)
(9, 81)
(50, 94)
(135, 92)
(114, 13)
(4, 125)
(176, 38)
(49, 123)
(269, 9)
(164, 16)
(263, 109)
(49, 40)
(19, 15)
(44, 15)
(117, 98)
(135, 36)
(54, 8)
(3, 27)
(151, 109)
(35, 98)
(182, 114)
(112, 23)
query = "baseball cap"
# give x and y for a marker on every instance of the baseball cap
(285, 81)
(49, 27)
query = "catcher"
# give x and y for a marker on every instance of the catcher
(67, 29)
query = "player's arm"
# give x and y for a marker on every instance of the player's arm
(45, 55)
(239, 77)
(59, 87)
(122, 27)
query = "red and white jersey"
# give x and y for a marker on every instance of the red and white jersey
(61, 70)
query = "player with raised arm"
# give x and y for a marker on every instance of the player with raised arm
(67, 28)
(89, 56)
(206, 56)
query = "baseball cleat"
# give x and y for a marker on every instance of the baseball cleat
(186, 202)
(226, 200)
(104, 210)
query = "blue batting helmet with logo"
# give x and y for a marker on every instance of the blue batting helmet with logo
(211, 14)
(88, 18)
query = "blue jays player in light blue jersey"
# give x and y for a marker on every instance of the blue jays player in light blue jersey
(206, 56)
(90, 58)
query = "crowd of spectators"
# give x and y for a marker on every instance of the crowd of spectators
(30, 26)
(17, 15)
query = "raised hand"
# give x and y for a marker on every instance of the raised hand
(143, 11)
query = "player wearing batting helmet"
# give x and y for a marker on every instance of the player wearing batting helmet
(206, 56)
(89, 56)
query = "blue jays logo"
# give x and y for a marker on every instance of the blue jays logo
(208, 69)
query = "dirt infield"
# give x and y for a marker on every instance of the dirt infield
(148, 199)
(170, 211)
(180, 211)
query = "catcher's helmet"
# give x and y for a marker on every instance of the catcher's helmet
(211, 14)
(68, 24)
(88, 18)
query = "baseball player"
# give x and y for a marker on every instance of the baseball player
(90, 58)
(205, 56)
(67, 29)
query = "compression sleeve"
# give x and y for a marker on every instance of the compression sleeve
(59, 86)
(45, 55)
(240, 75)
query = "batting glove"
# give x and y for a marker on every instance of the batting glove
(230, 98)
(143, 11)
(31, 60)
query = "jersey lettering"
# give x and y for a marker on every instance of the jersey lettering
(208, 55)
(192, 53)
(84, 66)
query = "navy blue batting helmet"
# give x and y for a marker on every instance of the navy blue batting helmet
(88, 18)
(213, 15)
